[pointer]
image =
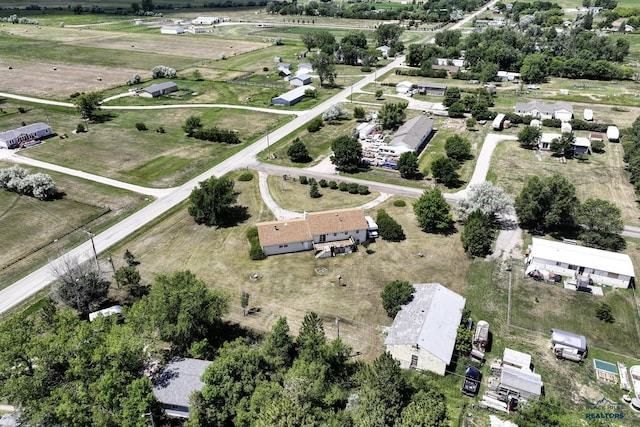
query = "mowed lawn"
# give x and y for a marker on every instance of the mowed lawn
(116, 149)
(602, 176)
(293, 284)
(32, 231)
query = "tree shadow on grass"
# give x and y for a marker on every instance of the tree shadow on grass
(102, 117)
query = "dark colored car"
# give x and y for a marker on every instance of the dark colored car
(471, 384)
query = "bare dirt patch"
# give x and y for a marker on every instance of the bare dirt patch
(59, 80)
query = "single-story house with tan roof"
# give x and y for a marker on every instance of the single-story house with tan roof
(329, 231)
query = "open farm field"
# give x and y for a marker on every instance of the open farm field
(220, 256)
(602, 176)
(116, 149)
(77, 60)
(33, 231)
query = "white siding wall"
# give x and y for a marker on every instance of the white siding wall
(285, 248)
(426, 360)
(598, 276)
(358, 235)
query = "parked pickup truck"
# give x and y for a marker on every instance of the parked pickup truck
(471, 383)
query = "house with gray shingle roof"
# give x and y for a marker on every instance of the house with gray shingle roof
(423, 333)
(413, 135)
(543, 110)
(176, 382)
(35, 131)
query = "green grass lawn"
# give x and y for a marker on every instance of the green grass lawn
(33, 231)
(117, 150)
(602, 176)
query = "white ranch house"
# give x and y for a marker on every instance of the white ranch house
(423, 334)
(35, 131)
(603, 267)
(329, 232)
(543, 110)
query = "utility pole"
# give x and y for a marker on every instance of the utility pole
(95, 253)
(338, 325)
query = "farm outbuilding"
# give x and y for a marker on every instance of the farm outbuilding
(171, 29)
(431, 88)
(404, 87)
(35, 131)
(613, 134)
(413, 135)
(498, 121)
(423, 333)
(158, 89)
(602, 267)
(292, 97)
(300, 80)
(206, 20)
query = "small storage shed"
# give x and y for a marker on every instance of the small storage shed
(300, 80)
(497, 122)
(613, 134)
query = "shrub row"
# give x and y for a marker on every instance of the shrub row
(351, 187)
(217, 135)
(437, 74)
(255, 252)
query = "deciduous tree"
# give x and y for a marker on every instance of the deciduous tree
(478, 234)
(88, 103)
(426, 409)
(213, 202)
(546, 204)
(80, 285)
(408, 165)
(486, 197)
(529, 136)
(392, 114)
(347, 154)
(396, 294)
(563, 146)
(457, 148)
(433, 212)
(324, 65)
(601, 223)
(445, 170)
(181, 308)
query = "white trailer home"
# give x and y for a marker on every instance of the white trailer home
(602, 267)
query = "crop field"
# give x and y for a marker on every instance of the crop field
(220, 257)
(602, 176)
(31, 231)
(116, 149)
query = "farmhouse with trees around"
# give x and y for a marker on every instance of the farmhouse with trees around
(602, 267)
(328, 233)
(24, 135)
(423, 333)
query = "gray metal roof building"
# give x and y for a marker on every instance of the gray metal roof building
(177, 380)
(429, 322)
(414, 134)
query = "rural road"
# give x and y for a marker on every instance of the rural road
(42, 277)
